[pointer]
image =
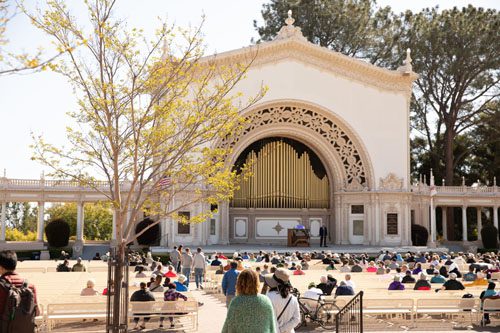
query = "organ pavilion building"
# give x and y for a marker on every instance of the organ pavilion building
(329, 144)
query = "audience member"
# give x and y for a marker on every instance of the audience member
(156, 285)
(216, 262)
(229, 283)
(408, 278)
(488, 293)
(8, 264)
(79, 267)
(248, 306)
(325, 285)
(438, 278)
(199, 266)
(396, 284)
(298, 270)
(180, 284)
(187, 263)
(422, 283)
(344, 290)
(452, 283)
(170, 272)
(285, 305)
(89, 290)
(141, 295)
(470, 276)
(171, 295)
(64, 266)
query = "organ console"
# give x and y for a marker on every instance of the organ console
(298, 237)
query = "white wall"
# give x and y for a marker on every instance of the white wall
(378, 117)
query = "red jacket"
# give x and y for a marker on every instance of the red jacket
(17, 281)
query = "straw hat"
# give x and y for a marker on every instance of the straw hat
(272, 279)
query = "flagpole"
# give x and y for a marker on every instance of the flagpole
(433, 212)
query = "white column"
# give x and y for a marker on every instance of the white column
(377, 221)
(2, 222)
(445, 222)
(41, 221)
(479, 223)
(79, 221)
(433, 222)
(495, 216)
(464, 223)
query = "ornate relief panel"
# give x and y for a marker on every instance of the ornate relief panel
(274, 227)
(314, 225)
(391, 183)
(240, 227)
(355, 171)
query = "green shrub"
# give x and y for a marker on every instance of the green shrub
(57, 233)
(489, 235)
(150, 236)
(19, 236)
(419, 235)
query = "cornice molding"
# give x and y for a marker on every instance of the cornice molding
(322, 58)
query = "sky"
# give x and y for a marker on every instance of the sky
(37, 103)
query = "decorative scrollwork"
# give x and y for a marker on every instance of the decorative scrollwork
(348, 153)
(391, 183)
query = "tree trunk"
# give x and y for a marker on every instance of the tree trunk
(117, 280)
(449, 175)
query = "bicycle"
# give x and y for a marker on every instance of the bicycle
(323, 313)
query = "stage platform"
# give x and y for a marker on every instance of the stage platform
(254, 248)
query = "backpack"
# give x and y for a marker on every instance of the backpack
(20, 309)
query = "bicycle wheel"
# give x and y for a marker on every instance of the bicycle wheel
(326, 315)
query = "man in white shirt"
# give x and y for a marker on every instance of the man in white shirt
(199, 266)
(311, 297)
(349, 282)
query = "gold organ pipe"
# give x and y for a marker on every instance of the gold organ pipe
(281, 178)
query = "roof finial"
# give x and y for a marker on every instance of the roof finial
(407, 67)
(290, 20)
(289, 30)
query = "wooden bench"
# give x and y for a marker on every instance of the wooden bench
(447, 306)
(389, 307)
(74, 311)
(186, 312)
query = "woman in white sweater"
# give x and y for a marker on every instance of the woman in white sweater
(286, 306)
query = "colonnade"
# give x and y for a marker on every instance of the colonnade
(80, 222)
(433, 229)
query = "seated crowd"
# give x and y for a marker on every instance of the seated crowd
(243, 274)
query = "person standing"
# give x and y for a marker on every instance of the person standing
(285, 305)
(229, 283)
(179, 264)
(323, 232)
(175, 257)
(249, 312)
(27, 309)
(199, 266)
(187, 263)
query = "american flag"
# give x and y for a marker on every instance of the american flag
(433, 190)
(165, 182)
